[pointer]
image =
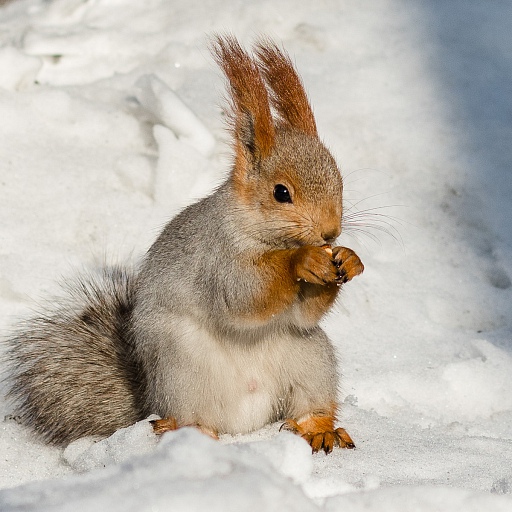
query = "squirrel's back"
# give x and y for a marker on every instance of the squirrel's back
(73, 370)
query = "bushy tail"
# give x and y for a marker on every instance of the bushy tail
(72, 370)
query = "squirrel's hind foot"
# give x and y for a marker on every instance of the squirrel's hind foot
(167, 424)
(164, 425)
(320, 433)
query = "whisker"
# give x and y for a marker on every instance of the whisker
(356, 231)
(373, 220)
(360, 170)
(354, 205)
(390, 231)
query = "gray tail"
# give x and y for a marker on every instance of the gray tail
(72, 371)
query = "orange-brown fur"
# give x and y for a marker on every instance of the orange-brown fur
(288, 96)
(248, 96)
(290, 275)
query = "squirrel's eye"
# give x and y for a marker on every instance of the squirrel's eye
(281, 194)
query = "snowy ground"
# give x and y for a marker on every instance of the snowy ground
(110, 123)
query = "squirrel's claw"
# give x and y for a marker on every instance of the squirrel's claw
(343, 440)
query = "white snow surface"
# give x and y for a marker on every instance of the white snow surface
(110, 123)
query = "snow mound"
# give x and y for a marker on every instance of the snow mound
(88, 453)
(186, 471)
(169, 110)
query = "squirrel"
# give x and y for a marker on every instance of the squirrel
(218, 328)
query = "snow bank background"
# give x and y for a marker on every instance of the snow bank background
(110, 124)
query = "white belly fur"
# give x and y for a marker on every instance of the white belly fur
(234, 387)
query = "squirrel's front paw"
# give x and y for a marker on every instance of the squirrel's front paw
(347, 263)
(314, 265)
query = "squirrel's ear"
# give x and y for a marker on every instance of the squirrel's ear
(250, 114)
(288, 96)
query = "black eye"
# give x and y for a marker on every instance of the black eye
(281, 194)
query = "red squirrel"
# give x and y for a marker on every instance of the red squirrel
(218, 327)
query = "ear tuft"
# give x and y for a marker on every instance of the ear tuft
(250, 114)
(288, 96)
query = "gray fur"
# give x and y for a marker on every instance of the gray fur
(72, 373)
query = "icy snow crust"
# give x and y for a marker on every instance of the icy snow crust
(110, 124)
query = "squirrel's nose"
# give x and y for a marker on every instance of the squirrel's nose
(330, 235)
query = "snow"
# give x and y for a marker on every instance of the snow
(186, 471)
(111, 124)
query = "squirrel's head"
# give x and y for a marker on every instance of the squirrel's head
(285, 180)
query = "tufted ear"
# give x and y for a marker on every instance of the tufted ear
(250, 114)
(287, 91)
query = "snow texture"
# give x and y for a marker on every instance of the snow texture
(110, 123)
